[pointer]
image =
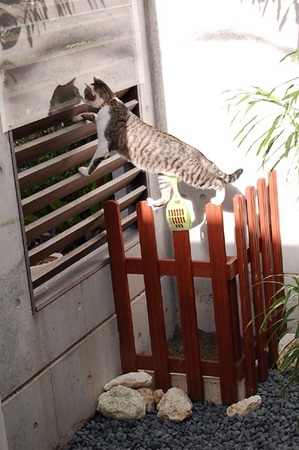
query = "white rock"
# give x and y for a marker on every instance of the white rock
(175, 405)
(158, 394)
(121, 403)
(245, 406)
(132, 380)
(148, 396)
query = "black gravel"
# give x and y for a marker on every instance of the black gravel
(273, 426)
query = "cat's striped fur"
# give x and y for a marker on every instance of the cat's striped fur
(147, 147)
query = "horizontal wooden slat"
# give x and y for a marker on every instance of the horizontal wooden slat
(168, 267)
(55, 166)
(201, 269)
(71, 184)
(178, 365)
(131, 104)
(54, 141)
(70, 235)
(61, 163)
(66, 261)
(75, 207)
(134, 265)
(231, 267)
(50, 121)
(210, 368)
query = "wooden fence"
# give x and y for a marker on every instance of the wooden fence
(239, 295)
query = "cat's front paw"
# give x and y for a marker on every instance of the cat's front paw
(78, 118)
(150, 202)
(88, 117)
(84, 171)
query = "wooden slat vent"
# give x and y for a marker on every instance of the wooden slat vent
(63, 210)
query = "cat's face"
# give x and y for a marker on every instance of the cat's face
(97, 93)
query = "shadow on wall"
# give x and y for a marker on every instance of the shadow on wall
(281, 14)
(64, 96)
(33, 15)
(200, 197)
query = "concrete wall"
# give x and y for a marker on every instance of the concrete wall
(53, 364)
(3, 438)
(208, 48)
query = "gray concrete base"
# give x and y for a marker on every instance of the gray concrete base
(3, 438)
(211, 387)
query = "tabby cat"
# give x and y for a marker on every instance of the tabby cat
(147, 147)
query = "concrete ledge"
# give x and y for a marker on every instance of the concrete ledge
(45, 412)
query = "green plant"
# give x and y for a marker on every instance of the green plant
(269, 122)
(277, 320)
(270, 127)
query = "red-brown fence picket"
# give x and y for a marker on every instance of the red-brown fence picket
(239, 294)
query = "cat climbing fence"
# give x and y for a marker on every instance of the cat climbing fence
(239, 296)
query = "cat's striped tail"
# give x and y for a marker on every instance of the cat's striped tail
(233, 176)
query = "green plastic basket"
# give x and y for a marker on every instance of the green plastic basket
(179, 211)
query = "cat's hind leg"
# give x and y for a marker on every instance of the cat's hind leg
(219, 197)
(165, 186)
(100, 155)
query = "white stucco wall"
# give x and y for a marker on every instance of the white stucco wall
(206, 49)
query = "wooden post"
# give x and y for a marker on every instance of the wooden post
(276, 238)
(222, 310)
(248, 341)
(120, 287)
(256, 277)
(154, 298)
(186, 294)
(233, 295)
(275, 226)
(267, 260)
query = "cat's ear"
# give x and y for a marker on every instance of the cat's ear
(96, 80)
(70, 83)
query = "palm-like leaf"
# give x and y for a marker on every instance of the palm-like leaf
(269, 122)
(278, 316)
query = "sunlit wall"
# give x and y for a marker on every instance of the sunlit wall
(211, 47)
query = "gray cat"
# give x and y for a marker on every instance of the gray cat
(147, 147)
